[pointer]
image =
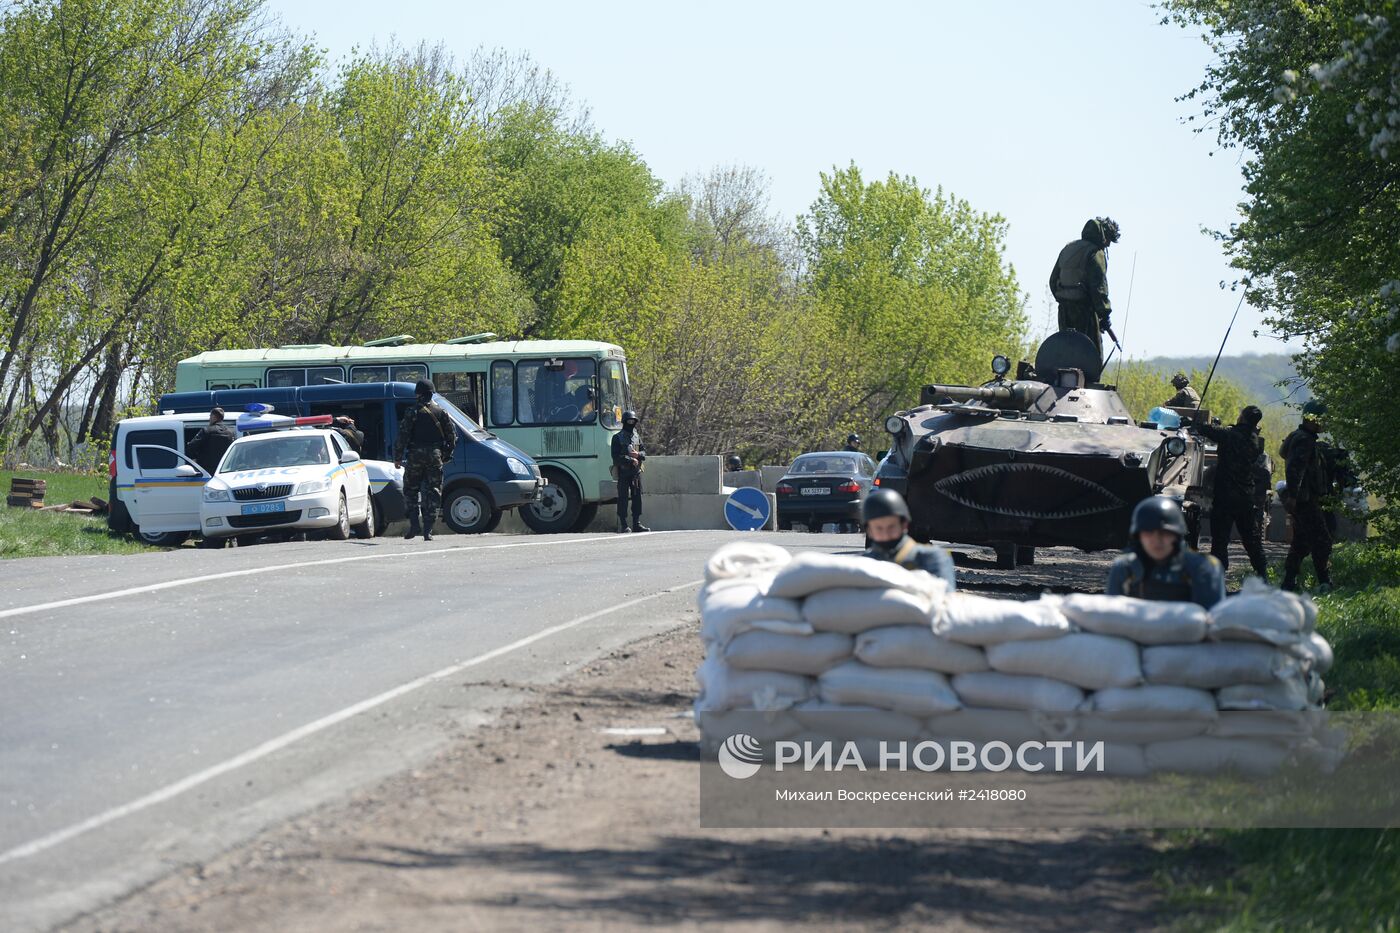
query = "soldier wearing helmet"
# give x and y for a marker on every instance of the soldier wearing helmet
(627, 456)
(426, 440)
(852, 443)
(1308, 483)
(1185, 397)
(1079, 281)
(886, 518)
(1232, 505)
(1158, 564)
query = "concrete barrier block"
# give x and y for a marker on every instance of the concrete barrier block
(682, 476)
(770, 476)
(741, 478)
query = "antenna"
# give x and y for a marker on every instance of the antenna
(1132, 277)
(1221, 350)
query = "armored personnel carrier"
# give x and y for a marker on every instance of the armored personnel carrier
(1049, 458)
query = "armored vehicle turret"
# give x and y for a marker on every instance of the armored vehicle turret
(1049, 458)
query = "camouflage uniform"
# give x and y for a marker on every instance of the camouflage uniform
(425, 441)
(1079, 283)
(1185, 397)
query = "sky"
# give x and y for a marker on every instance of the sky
(1047, 113)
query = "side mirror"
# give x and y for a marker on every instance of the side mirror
(185, 469)
(349, 457)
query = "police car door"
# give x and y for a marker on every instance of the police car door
(356, 477)
(168, 487)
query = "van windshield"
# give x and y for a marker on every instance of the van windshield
(460, 418)
(277, 452)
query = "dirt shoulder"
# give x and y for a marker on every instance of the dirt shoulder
(543, 821)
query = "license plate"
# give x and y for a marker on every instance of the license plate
(258, 508)
(816, 491)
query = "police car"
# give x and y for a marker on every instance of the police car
(159, 494)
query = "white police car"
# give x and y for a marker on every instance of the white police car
(289, 478)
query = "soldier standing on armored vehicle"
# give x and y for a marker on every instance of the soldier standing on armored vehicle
(1237, 452)
(1079, 281)
(426, 440)
(1306, 485)
(1185, 397)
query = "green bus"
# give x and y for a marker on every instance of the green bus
(560, 401)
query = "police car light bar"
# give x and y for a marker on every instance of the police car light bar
(278, 422)
(258, 408)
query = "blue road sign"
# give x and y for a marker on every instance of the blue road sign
(747, 509)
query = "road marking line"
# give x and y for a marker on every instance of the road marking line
(251, 571)
(288, 738)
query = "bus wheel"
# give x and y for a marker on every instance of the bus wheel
(468, 511)
(585, 517)
(558, 506)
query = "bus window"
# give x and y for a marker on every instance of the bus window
(216, 386)
(502, 393)
(462, 390)
(405, 372)
(314, 376)
(613, 380)
(555, 392)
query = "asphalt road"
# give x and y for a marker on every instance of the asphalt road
(157, 709)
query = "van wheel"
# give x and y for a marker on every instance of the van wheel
(341, 530)
(558, 507)
(495, 521)
(468, 511)
(585, 517)
(366, 528)
(163, 538)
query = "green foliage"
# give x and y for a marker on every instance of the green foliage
(1309, 91)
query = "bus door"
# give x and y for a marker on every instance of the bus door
(465, 390)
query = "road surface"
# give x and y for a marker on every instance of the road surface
(156, 709)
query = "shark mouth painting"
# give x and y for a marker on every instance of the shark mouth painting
(1028, 491)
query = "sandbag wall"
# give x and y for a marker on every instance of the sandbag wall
(814, 638)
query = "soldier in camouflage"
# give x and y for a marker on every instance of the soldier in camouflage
(1079, 281)
(1185, 397)
(425, 441)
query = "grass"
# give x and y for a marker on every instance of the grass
(29, 533)
(1314, 879)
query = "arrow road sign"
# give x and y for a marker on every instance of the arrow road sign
(747, 509)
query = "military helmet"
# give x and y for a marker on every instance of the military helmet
(629, 417)
(423, 387)
(852, 438)
(732, 463)
(1180, 380)
(1110, 229)
(1158, 513)
(1313, 410)
(1251, 415)
(882, 503)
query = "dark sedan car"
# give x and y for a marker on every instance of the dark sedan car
(824, 487)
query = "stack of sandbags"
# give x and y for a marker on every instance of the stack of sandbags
(824, 644)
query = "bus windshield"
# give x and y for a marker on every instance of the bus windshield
(612, 379)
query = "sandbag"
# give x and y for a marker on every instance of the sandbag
(978, 620)
(1211, 665)
(811, 572)
(745, 559)
(1091, 661)
(1156, 701)
(724, 688)
(730, 607)
(1017, 691)
(1145, 621)
(855, 722)
(853, 610)
(1290, 694)
(766, 726)
(795, 654)
(1277, 724)
(1259, 613)
(1134, 731)
(1012, 726)
(904, 690)
(1315, 652)
(1211, 755)
(917, 646)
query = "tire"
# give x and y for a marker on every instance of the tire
(366, 528)
(468, 511)
(211, 544)
(381, 523)
(118, 518)
(161, 539)
(341, 529)
(585, 517)
(494, 522)
(558, 511)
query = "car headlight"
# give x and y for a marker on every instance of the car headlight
(313, 485)
(894, 425)
(215, 495)
(517, 467)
